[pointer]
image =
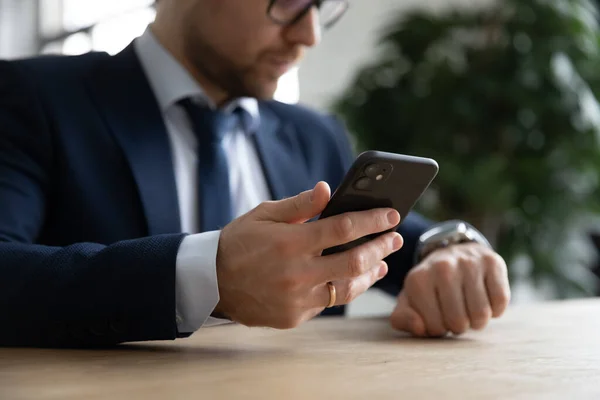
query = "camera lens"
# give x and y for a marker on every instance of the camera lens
(363, 183)
(372, 170)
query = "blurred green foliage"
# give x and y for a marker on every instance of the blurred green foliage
(504, 99)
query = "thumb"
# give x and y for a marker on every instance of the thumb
(300, 208)
(407, 319)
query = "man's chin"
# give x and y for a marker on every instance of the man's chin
(264, 92)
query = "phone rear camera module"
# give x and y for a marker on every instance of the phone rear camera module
(363, 184)
(373, 170)
(379, 172)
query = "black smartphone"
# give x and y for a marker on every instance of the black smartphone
(380, 180)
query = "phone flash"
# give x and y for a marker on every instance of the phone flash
(379, 177)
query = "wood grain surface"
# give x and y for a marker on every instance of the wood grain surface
(543, 351)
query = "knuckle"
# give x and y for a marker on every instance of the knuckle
(381, 221)
(479, 325)
(266, 207)
(445, 271)
(385, 246)
(463, 259)
(349, 293)
(480, 316)
(470, 267)
(413, 323)
(416, 279)
(489, 259)
(499, 268)
(344, 228)
(437, 331)
(458, 325)
(289, 283)
(378, 248)
(297, 203)
(501, 299)
(443, 265)
(356, 264)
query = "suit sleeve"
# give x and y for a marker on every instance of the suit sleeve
(411, 227)
(85, 294)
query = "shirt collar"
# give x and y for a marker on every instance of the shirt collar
(171, 82)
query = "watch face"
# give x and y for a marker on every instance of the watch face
(446, 234)
(444, 240)
(444, 230)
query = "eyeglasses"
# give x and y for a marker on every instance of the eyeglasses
(288, 12)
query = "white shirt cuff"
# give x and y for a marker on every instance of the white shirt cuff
(212, 321)
(197, 290)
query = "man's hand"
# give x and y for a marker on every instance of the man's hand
(452, 290)
(269, 265)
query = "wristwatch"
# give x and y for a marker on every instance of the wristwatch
(446, 234)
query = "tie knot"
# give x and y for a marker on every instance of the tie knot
(210, 124)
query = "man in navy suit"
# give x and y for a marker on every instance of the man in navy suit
(150, 194)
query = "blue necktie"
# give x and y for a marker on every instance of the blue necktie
(210, 126)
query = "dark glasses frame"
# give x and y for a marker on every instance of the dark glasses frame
(305, 10)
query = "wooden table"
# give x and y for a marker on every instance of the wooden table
(547, 351)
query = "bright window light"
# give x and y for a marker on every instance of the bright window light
(79, 14)
(115, 34)
(288, 90)
(77, 43)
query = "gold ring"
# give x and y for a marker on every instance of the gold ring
(332, 294)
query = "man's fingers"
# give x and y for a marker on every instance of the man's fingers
(299, 208)
(452, 303)
(478, 304)
(498, 287)
(357, 261)
(345, 228)
(407, 319)
(422, 297)
(348, 290)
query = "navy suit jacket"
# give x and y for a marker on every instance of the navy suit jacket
(89, 222)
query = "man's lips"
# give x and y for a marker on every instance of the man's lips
(281, 65)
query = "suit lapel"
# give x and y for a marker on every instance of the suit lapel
(129, 107)
(279, 150)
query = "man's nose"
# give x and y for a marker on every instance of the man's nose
(306, 31)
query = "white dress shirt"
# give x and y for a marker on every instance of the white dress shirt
(196, 278)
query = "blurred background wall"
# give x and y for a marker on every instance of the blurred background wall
(328, 68)
(18, 28)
